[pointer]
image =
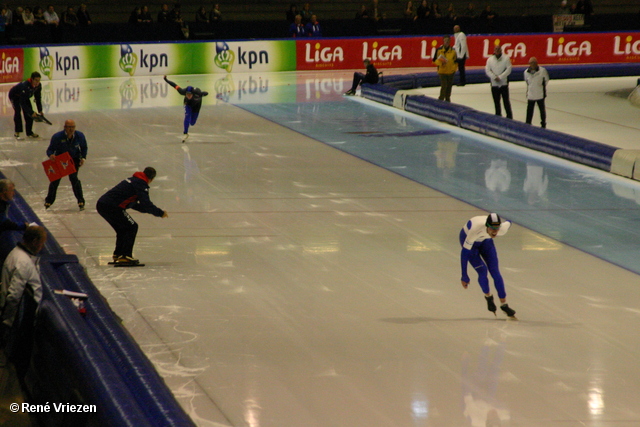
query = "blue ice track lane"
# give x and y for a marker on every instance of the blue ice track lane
(585, 208)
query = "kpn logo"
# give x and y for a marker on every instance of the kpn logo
(224, 57)
(46, 63)
(128, 60)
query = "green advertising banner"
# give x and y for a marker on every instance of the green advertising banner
(154, 59)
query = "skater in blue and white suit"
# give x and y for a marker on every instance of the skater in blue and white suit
(478, 249)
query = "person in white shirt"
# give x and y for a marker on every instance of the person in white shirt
(51, 16)
(462, 52)
(478, 249)
(20, 269)
(536, 78)
(498, 69)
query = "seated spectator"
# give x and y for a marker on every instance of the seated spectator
(202, 15)
(134, 17)
(70, 18)
(7, 193)
(451, 14)
(488, 19)
(18, 20)
(363, 13)
(145, 15)
(409, 12)
(296, 29)
(20, 269)
(83, 16)
(306, 13)
(176, 15)
(27, 16)
(38, 16)
(3, 23)
(313, 27)
(470, 12)
(563, 9)
(424, 11)
(435, 10)
(376, 15)
(216, 14)
(292, 12)
(51, 17)
(163, 15)
(8, 15)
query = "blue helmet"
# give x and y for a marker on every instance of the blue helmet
(189, 89)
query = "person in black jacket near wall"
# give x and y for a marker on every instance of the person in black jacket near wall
(20, 97)
(358, 78)
(131, 193)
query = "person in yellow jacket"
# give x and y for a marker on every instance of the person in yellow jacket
(445, 58)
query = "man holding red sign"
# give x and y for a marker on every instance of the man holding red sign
(74, 143)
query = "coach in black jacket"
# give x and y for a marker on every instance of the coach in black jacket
(20, 95)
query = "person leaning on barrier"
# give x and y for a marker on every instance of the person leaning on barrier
(7, 191)
(19, 271)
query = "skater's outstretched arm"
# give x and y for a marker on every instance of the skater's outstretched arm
(180, 90)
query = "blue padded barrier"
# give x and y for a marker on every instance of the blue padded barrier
(435, 109)
(87, 360)
(147, 386)
(379, 93)
(556, 143)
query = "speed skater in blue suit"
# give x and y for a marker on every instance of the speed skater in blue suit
(192, 103)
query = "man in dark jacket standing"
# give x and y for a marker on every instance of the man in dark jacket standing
(70, 141)
(132, 193)
(359, 78)
(20, 97)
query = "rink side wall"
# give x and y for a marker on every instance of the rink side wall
(91, 359)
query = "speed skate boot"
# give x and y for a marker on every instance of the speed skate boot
(126, 260)
(491, 306)
(508, 310)
(185, 137)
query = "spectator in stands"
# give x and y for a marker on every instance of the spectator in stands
(202, 15)
(424, 11)
(376, 14)
(292, 13)
(470, 11)
(563, 9)
(306, 13)
(462, 52)
(83, 16)
(8, 15)
(51, 16)
(38, 16)
(176, 15)
(20, 97)
(498, 69)
(488, 19)
(70, 18)
(163, 15)
(313, 27)
(370, 77)
(145, 15)
(363, 13)
(3, 23)
(409, 12)
(18, 19)
(296, 29)
(435, 10)
(134, 17)
(20, 269)
(586, 8)
(445, 60)
(216, 14)
(451, 15)
(7, 191)
(536, 78)
(27, 16)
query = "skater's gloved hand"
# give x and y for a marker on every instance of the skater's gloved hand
(464, 284)
(165, 214)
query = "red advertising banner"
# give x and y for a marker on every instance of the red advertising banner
(62, 166)
(11, 65)
(405, 52)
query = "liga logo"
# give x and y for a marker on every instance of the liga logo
(225, 57)
(46, 63)
(128, 60)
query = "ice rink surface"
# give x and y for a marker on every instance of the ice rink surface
(308, 274)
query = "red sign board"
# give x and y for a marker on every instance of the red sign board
(11, 65)
(62, 166)
(404, 52)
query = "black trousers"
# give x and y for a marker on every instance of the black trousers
(463, 73)
(17, 119)
(125, 227)
(543, 111)
(76, 185)
(502, 92)
(357, 79)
